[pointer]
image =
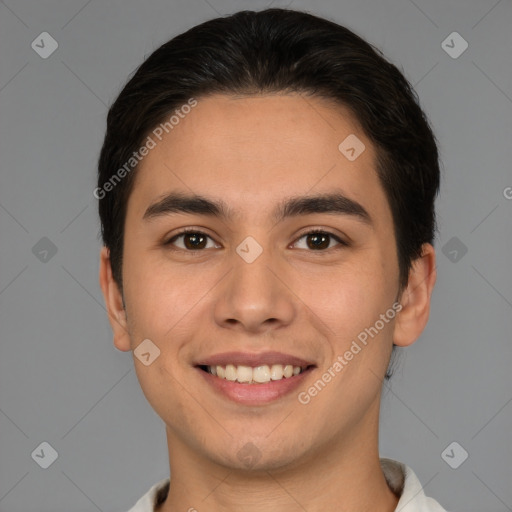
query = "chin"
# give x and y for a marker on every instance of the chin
(258, 456)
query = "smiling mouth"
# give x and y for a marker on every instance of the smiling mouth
(254, 375)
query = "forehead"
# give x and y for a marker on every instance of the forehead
(252, 150)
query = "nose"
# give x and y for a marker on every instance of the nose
(254, 296)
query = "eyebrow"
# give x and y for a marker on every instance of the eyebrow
(331, 203)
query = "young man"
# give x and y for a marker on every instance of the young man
(266, 192)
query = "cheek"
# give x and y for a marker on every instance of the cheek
(349, 298)
(158, 296)
(164, 392)
(349, 303)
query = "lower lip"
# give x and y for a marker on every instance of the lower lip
(255, 394)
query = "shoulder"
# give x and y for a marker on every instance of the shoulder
(153, 497)
(405, 484)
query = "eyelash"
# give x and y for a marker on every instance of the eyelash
(341, 243)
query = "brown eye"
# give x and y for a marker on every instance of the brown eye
(194, 241)
(320, 240)
(191, 240)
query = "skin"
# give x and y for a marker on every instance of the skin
(253, 152)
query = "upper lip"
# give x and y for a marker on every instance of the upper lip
(254, 359)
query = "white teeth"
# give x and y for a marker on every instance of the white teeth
(231, 373)
(276, 372)
(259, 374)
(244, 374)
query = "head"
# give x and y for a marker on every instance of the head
(250, 111)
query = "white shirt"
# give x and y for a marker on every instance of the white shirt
(400, 478)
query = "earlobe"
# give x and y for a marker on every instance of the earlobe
(415, 299)
(114, 303)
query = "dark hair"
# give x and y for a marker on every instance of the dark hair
(279, 51)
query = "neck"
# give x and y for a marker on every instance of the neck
(344, 475)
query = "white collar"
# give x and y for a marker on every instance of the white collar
(401, 480)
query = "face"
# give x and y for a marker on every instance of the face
(296, 265)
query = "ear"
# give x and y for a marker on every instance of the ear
(114, 303)
(415, 300)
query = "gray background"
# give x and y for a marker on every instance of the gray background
(61, 379)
